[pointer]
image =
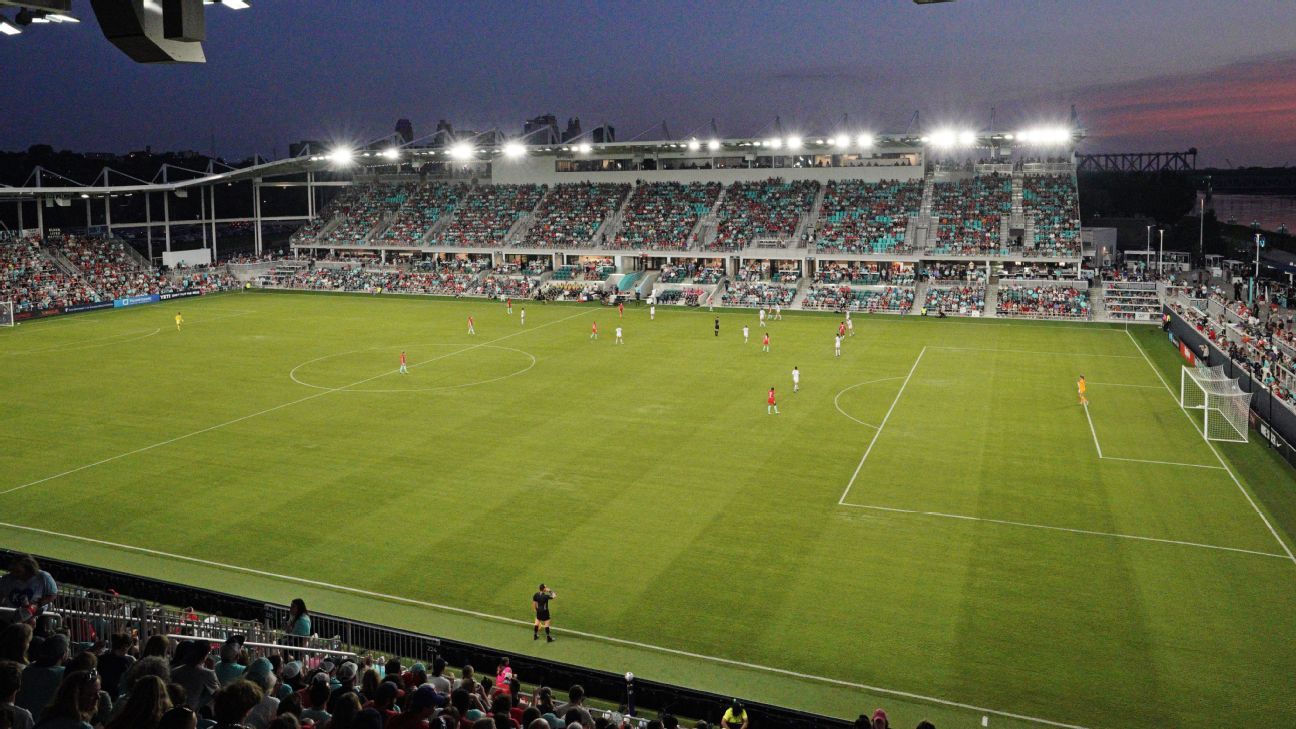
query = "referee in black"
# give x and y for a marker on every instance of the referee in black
(540, 604)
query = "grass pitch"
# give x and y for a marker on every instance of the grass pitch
(927, 526)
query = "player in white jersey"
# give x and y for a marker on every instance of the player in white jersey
(850, 327)
(762, 317)
(745, 332)
(618, 336)
(796, 379)
(522, 318)
(778, 311)
(837, 346)
(652, 312)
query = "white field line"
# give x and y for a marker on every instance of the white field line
(280, 406)
(1163, 463)
(89, 343)
(567, 631)
(878, 432)
(1211, 445)
(1091, 430)
(1124, 384)
(1031, 351)
(1088, 532)
(852, 387)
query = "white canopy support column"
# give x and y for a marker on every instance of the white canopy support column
(213, 223)
(256, 213)
(148, 220)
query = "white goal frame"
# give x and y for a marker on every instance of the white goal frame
(7, 314)
(1224, 405)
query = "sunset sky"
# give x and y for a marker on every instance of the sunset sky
(1144, 76)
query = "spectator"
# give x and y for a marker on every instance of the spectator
(735, 717)
(880, 720)
(228, 667)
(299, 621)
(345, 711)
(181, 717)
(318, 698)
(232, 704)
(200, 682)
(27, 589)
(421, 706)
(41, 679)
(292, 679)
(367, 719)
(116, 662)
(924, 724)
(576, 700)
(285, 721)
(87, 661)
(157, 645)
(15, 639)
(346, 677)
(261, 673)
(10, 682)
(384, 700)
(291, 704)
(438, 679)
(74, 703)
(144, 709)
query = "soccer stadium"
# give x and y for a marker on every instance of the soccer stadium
(788, 428)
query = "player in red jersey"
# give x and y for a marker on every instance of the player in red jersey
(471, 330)
(508, 303)
(765, 343)
(771, 405)
(841, 329)
(621, 310)
(403, 370)
(594, 330)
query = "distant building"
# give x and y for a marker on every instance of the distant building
(541, 130)
(604, 134)
(405, 129)
(573, 129)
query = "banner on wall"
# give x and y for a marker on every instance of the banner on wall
(180, 294)
(134, 300)
(87, 307)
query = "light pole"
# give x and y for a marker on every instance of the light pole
(1255, 279)
(1147, 254)
(1160, 249)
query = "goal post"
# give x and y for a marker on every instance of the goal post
(1223, 404)
(7, 314)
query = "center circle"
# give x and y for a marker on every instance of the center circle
(431, 368)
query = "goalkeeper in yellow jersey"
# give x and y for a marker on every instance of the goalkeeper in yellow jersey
(179, 321)
(1082, 388)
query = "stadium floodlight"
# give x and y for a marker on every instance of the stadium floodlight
(943, 138)
(794, 142)
(713, 145)
(55, 17)
(774, 143)
(341, 156)
(513, 150)
(462, 151)
(865, 140)
(966, 138)
(694, 145)
(584, 148)
(391, 153)
(7, 27)
(841, 141)
(231, 4)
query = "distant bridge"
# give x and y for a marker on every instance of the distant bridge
(1138, 162)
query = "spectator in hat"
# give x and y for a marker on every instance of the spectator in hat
(880, 720)
(261, 673)
(200, 682)
(346, 676)
(423, 702)
(735, 717)
(228, 667)
(384, 700)
(27, 589)
(41, 679)
(233, 703)
(291, 679)
(10, 682)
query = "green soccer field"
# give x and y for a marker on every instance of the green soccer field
(932, 524)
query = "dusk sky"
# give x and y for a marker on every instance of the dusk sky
(1144, 75)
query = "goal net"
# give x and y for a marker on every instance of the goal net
(6, 314)
(1223, 404)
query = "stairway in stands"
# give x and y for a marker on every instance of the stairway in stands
(920, 297)
(991, 299)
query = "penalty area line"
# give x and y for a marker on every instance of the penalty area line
(268, 410)
(1087, 532)
(1211, 445)
(567, 631)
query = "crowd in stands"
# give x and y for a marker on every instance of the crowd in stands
(945, 271)
(755, 293)
(358, 209)
(446, 282)
(969, 212)
(888, 299)
(1043, 301)
(1265, 348)
(769, 209)
(31, 280)
(1052, 202)
(486, 213)
(661, 215)
(423, 206)
(572, 213)
(961, 299)
(864, 274)
(867, 217)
